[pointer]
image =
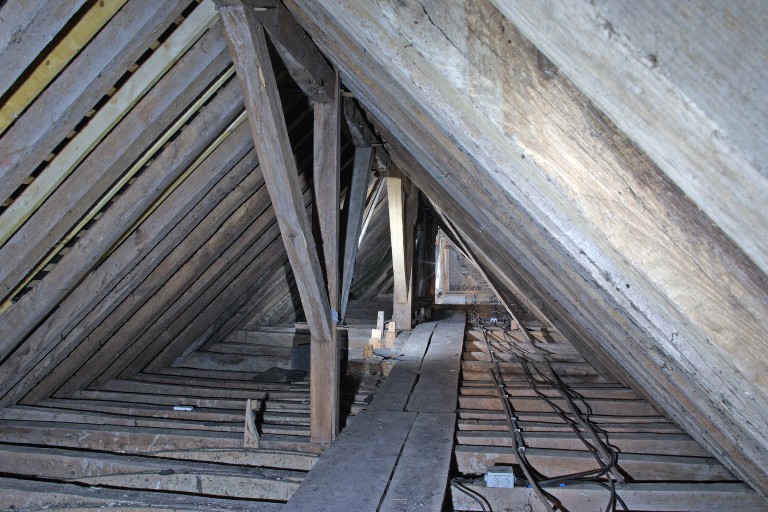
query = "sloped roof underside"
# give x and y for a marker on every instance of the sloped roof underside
(630, 213)
(611, 184)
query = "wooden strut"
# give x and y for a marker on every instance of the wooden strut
(247, 42)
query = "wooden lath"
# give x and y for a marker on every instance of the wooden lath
(80, 86)
(176, 271)
(29, 31)
(100, 124)
(160, 108)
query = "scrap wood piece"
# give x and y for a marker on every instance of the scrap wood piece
(251, 435)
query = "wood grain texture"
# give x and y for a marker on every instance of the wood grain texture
(248, 47)
(80, 86)
(583, 222)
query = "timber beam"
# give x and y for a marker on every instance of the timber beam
(304, 62)
(247, 42)
(248, 46)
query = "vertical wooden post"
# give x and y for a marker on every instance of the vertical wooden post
(402, 209)
(325, 367)
(250, 54)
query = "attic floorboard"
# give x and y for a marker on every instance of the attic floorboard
(395, 455)
(648, 446)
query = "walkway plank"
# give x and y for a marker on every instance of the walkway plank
(437, 388)
(354, 472)
(419, 480)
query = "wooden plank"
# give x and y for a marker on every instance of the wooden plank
(250, 54)
(265, 252)
(38, 66)
(437, 388)
(474, 460)
(542, 425)
(530, 404)
(106, 118)
(302, 59)
(207, 413)
(418, 481)
(158, 113)
(671, 497)
(162, 442)
(631, 442)
(155, 341)
(237, 362)
(394, 393)
(355, 206)
(131, 386)
(354, 472)
(325, 366)
(166, 258)
(424, 121)
(40, 495)
(80, 86)
(142, 473)
(26, 30)
(91, 248)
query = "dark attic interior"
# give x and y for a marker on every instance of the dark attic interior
(383, 255)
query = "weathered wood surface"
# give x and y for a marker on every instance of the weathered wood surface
(79, 87)
(355, 207)
(437, 388)
(168, 441)
(102, 122)
(304, 62)
(419, 479)
(678, 497)
(355, 470)
(130, 305)
(325, 365)
(88, 251)
(142, 473)
(152, 116)
(537, 404)
(473, 143)
(394, 393)
(250, 54)
(475, 460)
(40, 495)
(26, 30)
(631, 442)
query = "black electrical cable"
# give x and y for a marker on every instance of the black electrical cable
(600, 448)
(479, 498)
(545, 498)
(568, 395)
